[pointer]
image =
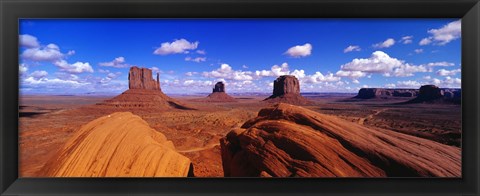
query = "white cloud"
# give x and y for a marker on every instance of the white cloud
(425, 41)
(55, 82)
(176, 47)
(244, 66)
(78, 67)
(22, 68)
(51, 52)
(155, 70)
(319, 77)
(406, 39)
(191, 73)
(390, 85)
(440, 64)
(226, 72)
(351, 49)
(351, 74)
(202, 52)
(444, 72)
(118, 62)
(300, 50)
(28, 41)
(445, 34)
(386, 44)
(418, 51)
(198, 59)
(275, 71)
(39, 74)
(408, 84)
(379, 62)
(409, 70)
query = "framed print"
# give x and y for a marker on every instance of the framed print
(251, 97)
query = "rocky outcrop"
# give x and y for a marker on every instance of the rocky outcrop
(369, 93)
(144, 92)
(141, 78)
(219, 87)
(290, 141)
(286, 89)
(118, 145)
(434, 94)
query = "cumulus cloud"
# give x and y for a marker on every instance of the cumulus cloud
(440, 64)
(351, 49)
(418, 51)
(385, 44)
(225, 71)
(190, 73)
(202, 52)
(406, 39)
(28, 41)
(51, 83)
(379, 62)
(39, 74)
(351, 74)
(407, 70)
(78, 67)
(118, 62)
(444, 72)
(408, 84)
(299, 50)
(319, 77)
(51, 53)
(198, 59)
(275, 71)
(425, 41)
(445, 34)
(176, 47)
(22, 68)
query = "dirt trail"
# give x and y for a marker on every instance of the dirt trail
(361, 121)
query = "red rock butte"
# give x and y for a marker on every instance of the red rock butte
(219, 95)
(144, 92)
(286, 89)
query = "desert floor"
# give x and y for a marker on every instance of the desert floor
(47, 122)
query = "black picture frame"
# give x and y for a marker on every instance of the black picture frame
(11, 11)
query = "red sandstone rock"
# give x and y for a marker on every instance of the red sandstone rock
(286, 89)
(141, 78)
(289, 141)
(219, 87)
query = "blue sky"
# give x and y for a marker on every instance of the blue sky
(327, 55)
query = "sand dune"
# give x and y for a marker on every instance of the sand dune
(120, 144)
(286, 140)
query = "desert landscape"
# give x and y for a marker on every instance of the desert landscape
(212, 97)
(144, 132)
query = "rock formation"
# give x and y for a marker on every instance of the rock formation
(434, 94)
(144, 92)
(219, 87)
(118, 145)
(369, 93)
(141, 78)
(290, 141)
(286, 89)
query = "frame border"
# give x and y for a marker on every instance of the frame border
(11, 11)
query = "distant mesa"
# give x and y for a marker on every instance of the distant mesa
(434, 94)
(291, 141)
(118, 145)
(218, 95)
(286, 89)
(369, 93)
(144, 92)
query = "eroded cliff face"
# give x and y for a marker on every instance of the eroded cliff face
(141, 78)
(286, 89)
(117, 145)
(369, 93)
(288, 141)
